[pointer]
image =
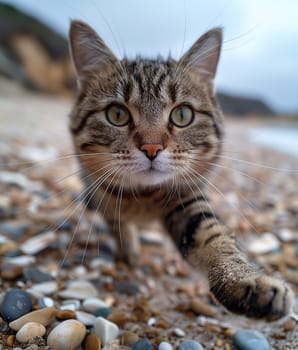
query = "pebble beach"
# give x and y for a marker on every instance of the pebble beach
(60, 286)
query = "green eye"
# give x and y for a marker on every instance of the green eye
(118, 115)
(182, 116)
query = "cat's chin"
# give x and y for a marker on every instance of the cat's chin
(151, 177)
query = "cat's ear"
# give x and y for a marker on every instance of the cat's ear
(88, 50)
(203, 56)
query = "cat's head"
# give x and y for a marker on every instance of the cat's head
(145, 122)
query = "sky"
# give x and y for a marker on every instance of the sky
(260, 51)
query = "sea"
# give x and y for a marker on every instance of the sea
(281, 138)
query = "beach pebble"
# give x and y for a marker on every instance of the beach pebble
(84, 317)
(250, 340)
(79, 289)
(200, 307)
(190, 345)
(92, 304)
(13, 230)
(29, 331)
(10, 271)
(42, 316)
(165, 346)
(142, 344)
(6, 246)
(20, 180)
(178, 332)
(102, 312)
(266, 243)
(46, 302)
(92, 342)
(44, 288)
(15, 304)
(127, 287)
(22, 260)
(33, 274)
(67, 335)
(38, 243)
(105, 329)
(71, 304)
(128, 338)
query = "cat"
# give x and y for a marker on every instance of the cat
(147, 132)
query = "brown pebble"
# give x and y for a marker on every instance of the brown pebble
(201, 308)
(289, 325)
(189, 289)
(120, 318)
(92, 342)
(227, 347)
(128, 338)
(152, 332)
(107, 271)
(162, 324)
(229, 332)
(10, 340)
(10, 271)
(65, 314)
(213, 328)
(219, 343)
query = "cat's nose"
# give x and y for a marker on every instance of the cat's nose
(151, 149)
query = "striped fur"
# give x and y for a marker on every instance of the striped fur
(130, 188)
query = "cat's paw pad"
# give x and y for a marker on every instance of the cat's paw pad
(264, 297)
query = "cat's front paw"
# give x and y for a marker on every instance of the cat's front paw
(260, 297)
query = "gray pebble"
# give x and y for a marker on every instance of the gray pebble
(142, 344)
(15, 304)
(165, 346)
(102, 312)
(33, 274)
(250, 340)
(127, 287)
(190, 345)
(13, 231)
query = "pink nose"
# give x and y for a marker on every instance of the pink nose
(151, 149)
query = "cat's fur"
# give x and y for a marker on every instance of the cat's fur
(150, 169)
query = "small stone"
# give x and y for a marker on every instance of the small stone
(266, 243)
(229, 332)
(105, 330)
(7, 246)
(178, 332)
(10, 340)
(44, 288)
(289, 325)
(22, 260)
(165, 346)
(20, 180)
(201, 308)
(119, 318)
(142, 344)
(65, 314)
(33, 274)
(14, 231)
(42, 316)
(190, 345)
(91, 304)
(29, 331)
(84, 317)
(79, 289)
(250, 340)
(15, 304)
(46, 302)
(128, 338)
(92, 342)
(127, 287)
(70, 304)
(67, 335)
(287, 235)
(38, 243)
(10, 271)
(102, 312)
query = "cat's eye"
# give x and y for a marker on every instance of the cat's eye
(182, 116)
(118, 115)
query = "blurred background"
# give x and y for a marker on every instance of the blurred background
(257, 74)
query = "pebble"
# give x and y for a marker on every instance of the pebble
(102, 312)
(119, 318)
(67, 335)
(71, 304)
(22, 260)
(92, 342)
(15, 304)
(127, 287)
(178, 332)
(190, 345)
(7, 246)
(42, 316)
(20, 180)
(10, 271)
(86, 318)
(266, 243)
(200, 307)
(38, 243)
(79, 289)
(289, 325)
(65, 314)
(13, 231)
(46, 302)
(165, 346)
(33, 274)
(142, 344)
(44, 288)
(92, 304)
(105, 330)
(250, 340)
(128, 338)
(29, 331)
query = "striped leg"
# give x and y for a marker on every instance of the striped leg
(206, 244)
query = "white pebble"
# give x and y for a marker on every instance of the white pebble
(178, 332)
(151, 321)
(71, 304)
(79, 289)
(45, 288)
(86, 318)
(91, 304)
(67, 335)
(165, 346)
(105, 330)
(22, 260)
(38, 243)
(29, 331)
(266, 243)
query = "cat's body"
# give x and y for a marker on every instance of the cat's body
(147, 132)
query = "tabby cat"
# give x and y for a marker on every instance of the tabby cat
(146, 132)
